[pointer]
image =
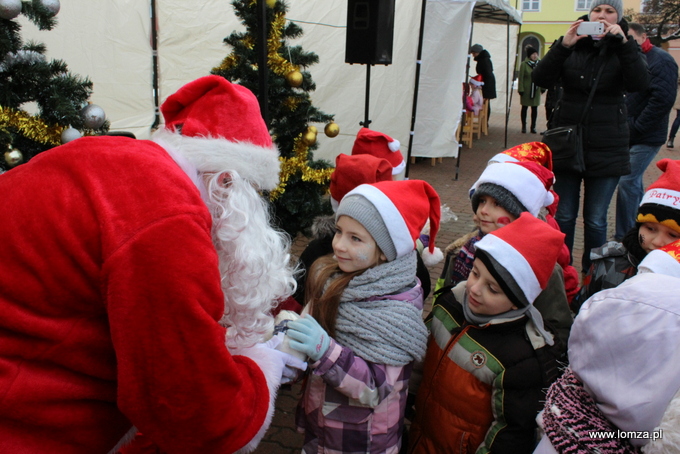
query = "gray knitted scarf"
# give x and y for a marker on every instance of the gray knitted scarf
(384, 331)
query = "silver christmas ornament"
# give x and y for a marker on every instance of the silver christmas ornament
(93, 116)
(9, 9)
(70, 134)
(13, 157)
(52, 6)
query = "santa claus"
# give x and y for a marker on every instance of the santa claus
(136, 282)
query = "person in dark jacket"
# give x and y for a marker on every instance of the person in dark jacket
(485, 69)
(530, 94)
(648, 114)
(576, 59)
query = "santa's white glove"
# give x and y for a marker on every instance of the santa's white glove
(290, 365)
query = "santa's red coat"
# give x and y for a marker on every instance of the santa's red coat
(110, 295)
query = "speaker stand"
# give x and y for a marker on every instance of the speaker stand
(366, 121)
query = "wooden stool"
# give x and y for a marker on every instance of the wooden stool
(484, 114)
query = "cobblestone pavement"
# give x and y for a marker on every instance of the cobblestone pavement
(282, 437)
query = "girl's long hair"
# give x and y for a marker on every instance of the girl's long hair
(325, 299)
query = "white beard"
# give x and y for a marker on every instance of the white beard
(255, 262)
(254, 258)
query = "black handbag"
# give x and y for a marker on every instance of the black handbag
(566, 142)
(566, 145)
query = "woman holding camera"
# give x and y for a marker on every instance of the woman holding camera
(575, 60)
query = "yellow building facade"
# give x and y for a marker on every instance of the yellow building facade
(544, 21)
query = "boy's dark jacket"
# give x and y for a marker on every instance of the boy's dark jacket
(488, 398)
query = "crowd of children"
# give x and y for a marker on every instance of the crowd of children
(472, 376)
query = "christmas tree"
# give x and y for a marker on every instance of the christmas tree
(304, 181)
(29, 82)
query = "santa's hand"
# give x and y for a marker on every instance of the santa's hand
(291, 365)
(308, 337)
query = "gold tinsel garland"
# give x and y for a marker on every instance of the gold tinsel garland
(32, 127)
(281, 67)
(298, 164)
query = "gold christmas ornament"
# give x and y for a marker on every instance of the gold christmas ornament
(312, 129)
(271, 3)
(309, 138)
(13, 157)
(294, 78)
(332, 129)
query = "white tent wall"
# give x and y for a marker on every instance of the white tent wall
(110, 42)
(494, 38)
(440, 89)
(341, 88)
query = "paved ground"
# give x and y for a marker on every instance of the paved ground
(281, 437)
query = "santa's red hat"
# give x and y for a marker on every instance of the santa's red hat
(527, 250)
(381, 146)
(526, 183)
(351, 171)
(530, 151)
(394, 213)
(477, 80)
(212, 114)
(661, 202)
(665, 260)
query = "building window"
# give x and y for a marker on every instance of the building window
(582, 5)
(531, 5)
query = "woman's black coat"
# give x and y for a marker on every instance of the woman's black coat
(605, 134)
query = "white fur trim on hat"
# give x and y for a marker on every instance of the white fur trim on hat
(399, 168)
(254, 163)
(661, 196)
(502, 157)
(396, 226)
(514, 263)
(394, 146)
(659, 262)
(521, 182)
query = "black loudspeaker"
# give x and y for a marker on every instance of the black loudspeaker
(370, 30)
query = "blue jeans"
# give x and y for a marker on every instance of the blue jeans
(597, 195)
(631, 189)
(676, 125)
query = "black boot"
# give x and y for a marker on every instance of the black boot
(533, 129)
(524, 129)
(670, 142)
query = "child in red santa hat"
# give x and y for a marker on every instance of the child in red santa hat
(499, 196)
(350, 172)
(540, 153)
(490, 356)
(657, 224)
(364, 329)
(476, 99)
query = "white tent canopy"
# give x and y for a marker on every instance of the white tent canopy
(110, 42)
